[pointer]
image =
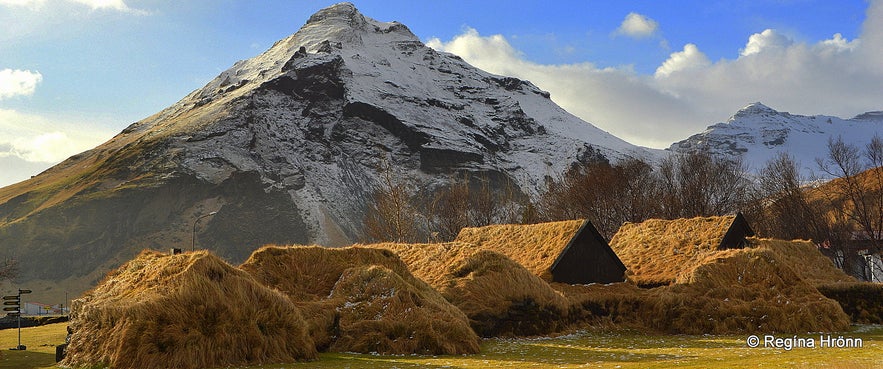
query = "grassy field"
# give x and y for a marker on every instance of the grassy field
(609, 349)
(40, 341)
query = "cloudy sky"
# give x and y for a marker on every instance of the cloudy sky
(75, 72)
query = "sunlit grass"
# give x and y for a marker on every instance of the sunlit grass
(610, 349)
(40, 342)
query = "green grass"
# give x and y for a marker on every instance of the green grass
(608, 349)
(40, 342)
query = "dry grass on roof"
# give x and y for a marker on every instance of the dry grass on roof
(656, 251)
(499, 296)
(765, 289)
(308, 273)
(535, 246)
(360, 299)
(746, 290)
(184, 311)
(383, 312)
(805, 259)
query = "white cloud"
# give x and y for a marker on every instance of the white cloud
(614, 99)
(838, 43)
(637, 25)
(118, 5)
(766, 40)
(689, 92)
(690, 58)
(23, 3)
(14, 82)
(105, 4)
(39, 139)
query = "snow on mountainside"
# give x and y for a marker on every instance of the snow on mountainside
(757, 133)
(443, 102)
(286, 148)
(444, 115)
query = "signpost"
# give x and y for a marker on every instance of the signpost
(12, 304)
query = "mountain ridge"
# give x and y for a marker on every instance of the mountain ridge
(287, 147)
(757, 133)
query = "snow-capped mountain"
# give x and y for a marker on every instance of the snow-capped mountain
(757, 133)
(287, 146)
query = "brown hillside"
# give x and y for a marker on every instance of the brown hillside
(535, 246)
(364, 300)
(836, 194)
(499, 296)
(184, 311)
(869, 180)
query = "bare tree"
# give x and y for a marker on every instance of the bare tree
(788, 214)
(874, 185)
(471, 202)
(608, 195)
(449, 210)
(491, 204)
(856, 196)
(791, 209)
(392, 215)
(863, 191)
(698, 184)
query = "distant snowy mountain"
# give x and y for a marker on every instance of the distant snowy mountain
(757, 133)
(286, 147)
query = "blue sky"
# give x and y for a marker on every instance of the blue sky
(75, 72)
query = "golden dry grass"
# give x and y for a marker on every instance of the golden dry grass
(535, 246)
(747, 290)
(656, 251)
(753, 290)
(382, 312)
(308, 273)
(364, 300)
(184, 311)
(712, 291)
(805, 259)
(499, 296)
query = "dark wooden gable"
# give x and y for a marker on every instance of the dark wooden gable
(736, 234)
(587, 258)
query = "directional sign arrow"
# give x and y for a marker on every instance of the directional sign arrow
(23, 291)
(15, 309)
(10, 297)
(11, 302)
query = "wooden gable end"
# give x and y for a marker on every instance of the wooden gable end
(587, 258)
(735, 236)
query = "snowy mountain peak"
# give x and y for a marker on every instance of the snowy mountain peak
(756, 133)
(870, 116)
(339, 30)
(309, 122)
(756, 108)
(343, 23)
(345, 12)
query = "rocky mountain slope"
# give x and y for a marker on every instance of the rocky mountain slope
(757, 133)
(286, 148)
